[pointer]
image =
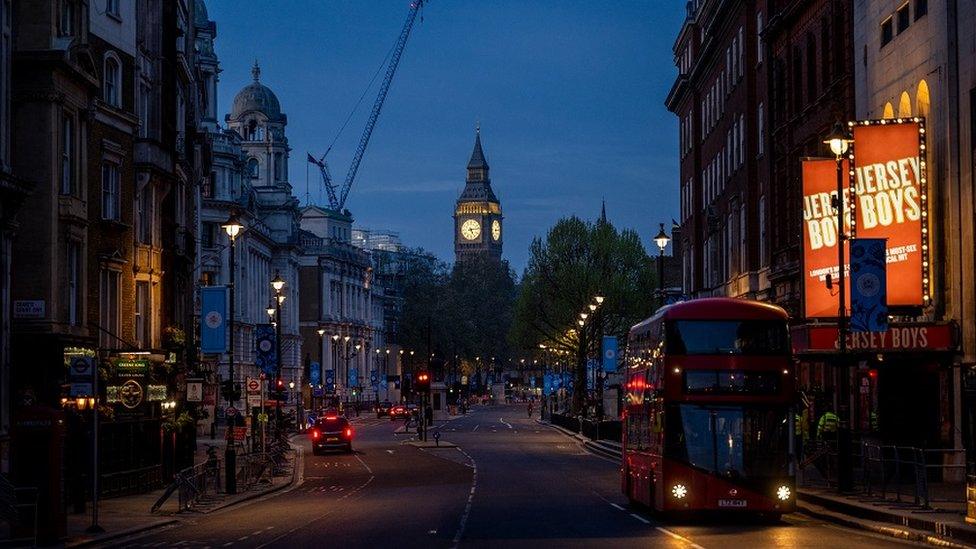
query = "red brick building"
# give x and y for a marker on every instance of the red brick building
(719, 97)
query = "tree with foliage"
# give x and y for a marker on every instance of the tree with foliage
(576, 262)
(466, 312)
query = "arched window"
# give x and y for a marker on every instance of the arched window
(922, 102)
(904, 105)
(112, 81)
(252, 167)
(889, 111)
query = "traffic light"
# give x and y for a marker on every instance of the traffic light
(279, 389)
(230, 391)
(423, 381)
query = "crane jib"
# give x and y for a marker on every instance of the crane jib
(337, 200)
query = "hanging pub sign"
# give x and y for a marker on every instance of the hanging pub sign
(884, 185)
(869, 304)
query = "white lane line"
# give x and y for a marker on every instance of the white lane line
(467, 506)
(389, 452)
(475, 427)
(507, 424)
(640, 518)
(690, 543)
(370, 471)
(617, 507)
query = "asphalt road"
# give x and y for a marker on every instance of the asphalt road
(510, 483)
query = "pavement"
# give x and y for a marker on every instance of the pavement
(127, 516)
(509, 482)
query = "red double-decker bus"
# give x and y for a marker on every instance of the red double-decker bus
(707, 424)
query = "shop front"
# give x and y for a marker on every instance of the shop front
(904, 391)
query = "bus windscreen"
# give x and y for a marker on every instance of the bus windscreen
(725, 337)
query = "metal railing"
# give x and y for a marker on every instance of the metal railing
(905, 474)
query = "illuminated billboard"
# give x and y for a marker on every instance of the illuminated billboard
(886, 197)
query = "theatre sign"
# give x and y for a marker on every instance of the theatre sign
(885, 196)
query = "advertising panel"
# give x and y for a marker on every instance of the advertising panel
(886, 198)
(820, 235)
(890, 185)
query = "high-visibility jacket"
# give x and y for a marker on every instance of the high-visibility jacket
(801, 427)
(828, 424)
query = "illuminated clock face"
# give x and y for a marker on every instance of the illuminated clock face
(471, 229)
(496, 229)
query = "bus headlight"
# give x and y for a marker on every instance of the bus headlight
(679, 491)
(783, 493)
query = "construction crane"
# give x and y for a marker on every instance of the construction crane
(337, 196)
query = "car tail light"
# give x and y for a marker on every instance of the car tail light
(315, 434)
(331, 417)
(348, 432)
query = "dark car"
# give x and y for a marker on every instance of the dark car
(383, 408)
(398, 412)
(331, 433)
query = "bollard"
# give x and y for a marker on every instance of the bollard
(437, 438)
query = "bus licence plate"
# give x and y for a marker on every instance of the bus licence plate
(731, 503)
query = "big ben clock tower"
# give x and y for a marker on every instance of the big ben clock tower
(478, 214)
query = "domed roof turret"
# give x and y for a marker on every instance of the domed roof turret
(256, 97)
(200, 15)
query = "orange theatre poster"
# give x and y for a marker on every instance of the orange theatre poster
(885, 188)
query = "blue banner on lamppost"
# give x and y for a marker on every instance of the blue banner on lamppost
(315, 373)
(609, 353)
(330, 382)
(869, 283)
(213, 316)
(266, 355)
(353, 380)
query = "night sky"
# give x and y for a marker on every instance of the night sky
(569, 95)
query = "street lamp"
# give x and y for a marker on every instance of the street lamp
(278, 284)
(662, 239)
(233, 228)
(321, 332)
(839, 140)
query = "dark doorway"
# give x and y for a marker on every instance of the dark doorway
(908, 403)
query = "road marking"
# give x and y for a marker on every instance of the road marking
(370, 471)
(475, 427)
(615, 506)
(507, 424)
(690, 543)
(467, 506)
(640, 518)
(389, 451)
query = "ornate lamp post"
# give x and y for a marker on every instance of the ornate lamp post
(278, 284)
(662, 239)
(839, 141)
(321, 332)
(233, 228)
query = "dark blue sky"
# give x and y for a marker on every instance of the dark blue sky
(569, 94)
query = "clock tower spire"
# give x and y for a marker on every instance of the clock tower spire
(478, 213)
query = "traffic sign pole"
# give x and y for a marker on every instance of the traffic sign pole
(261, 418)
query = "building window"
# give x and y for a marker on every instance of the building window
(252, 168)
(67, 22)
(73, 287)
(761, 130)
(145, 106)
(144, 215)
(112, 8)
(110, 190)
(112, 82)
(903, 18)
(762, 231)
(887, 33)
(109, 308)
(825, 61)
(921, 8)
(143, 315)
(67, 155)
(812, 68)
(280, 165)
(759, 41)
(208, 234)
